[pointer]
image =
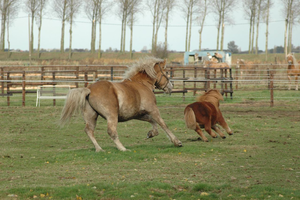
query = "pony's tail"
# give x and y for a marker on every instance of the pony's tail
(76, 100)
(190, 118)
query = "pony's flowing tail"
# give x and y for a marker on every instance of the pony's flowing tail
(75, 101)
(190, 118)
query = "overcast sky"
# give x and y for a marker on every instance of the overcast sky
(111, 32)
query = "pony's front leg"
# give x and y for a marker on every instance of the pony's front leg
(154, 131)
(290, 82)
(223, 123)
(216, 128)
(112, 132)
(157, 118)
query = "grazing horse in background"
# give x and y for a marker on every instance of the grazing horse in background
(206, 113)
(246, 66)
(133, 98)
(293, 69)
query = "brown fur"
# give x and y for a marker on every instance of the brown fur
(206, 113)
(133, 98)
(293, 69)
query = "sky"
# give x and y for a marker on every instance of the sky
(142, 32)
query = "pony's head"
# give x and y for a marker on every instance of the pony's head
(213, 96)
(290, 58)
(162, 81)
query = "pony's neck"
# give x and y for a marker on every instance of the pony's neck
(144, 79)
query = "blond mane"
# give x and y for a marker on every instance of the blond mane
(144, 64)
(213, 96)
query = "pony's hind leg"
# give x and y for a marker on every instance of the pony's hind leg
(216, 128)
(208, 130)
(90, 117)
(199, 131)
(223, 123)
(112, 132)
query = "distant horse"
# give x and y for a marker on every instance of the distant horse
(214, 63)
(293, 69)
(248, 67)
(133, 98)
(206, 113)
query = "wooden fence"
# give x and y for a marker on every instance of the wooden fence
(26, 79)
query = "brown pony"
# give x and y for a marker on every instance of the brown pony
(206, 113)
(133, 98)
(293, 69)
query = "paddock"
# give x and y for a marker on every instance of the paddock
(39, 160)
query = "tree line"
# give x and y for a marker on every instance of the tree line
(194, 12)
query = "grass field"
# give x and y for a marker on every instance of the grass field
(39, 160)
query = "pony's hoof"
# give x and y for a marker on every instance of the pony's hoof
(99, 150)
(205, 140)
(224, 137)
(178, 144)
(151, 134)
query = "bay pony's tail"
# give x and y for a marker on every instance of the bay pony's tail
(76, 100)
(190, 118)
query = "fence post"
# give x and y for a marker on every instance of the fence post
(183, 84)
(195, 84)
(23, 88)
(271, 89)
(7, 90)
(2, 80)
(77, 76)
(53, 79)
(111, 73)
(236, 78)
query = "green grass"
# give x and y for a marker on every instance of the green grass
(39, 160)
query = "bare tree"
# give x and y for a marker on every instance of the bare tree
(91, 8)
(136, 9)
(188, 9)
(157, 9)
(105, 6)
(259, 9)
(250, 7)
(32, 6)
(269, 4)
(5, 8)
(291, 12)
(124, 7)
(61, 9)
(12, 12)
(170, 4)
(222, 9)
(74, 10)
(39, 19)
(201, 14)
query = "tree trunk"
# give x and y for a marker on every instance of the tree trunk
(8, 43)
(285, 36)
(100, 37)
(62, 39)
(218, 35)
(257, 26)
(31, 34)
(291, 22)
(70, 31)
(267, 29)
(250, 31)
(39, 34)
(131, 35)
(187, 29)
(3, 22)
(121, 43)
(166, 28)
(190, 28)
(253, 30)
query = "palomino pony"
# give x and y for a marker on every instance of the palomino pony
(213, 63)
(205, 113)
(133, 98)
(293, 69)
(248, 67)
